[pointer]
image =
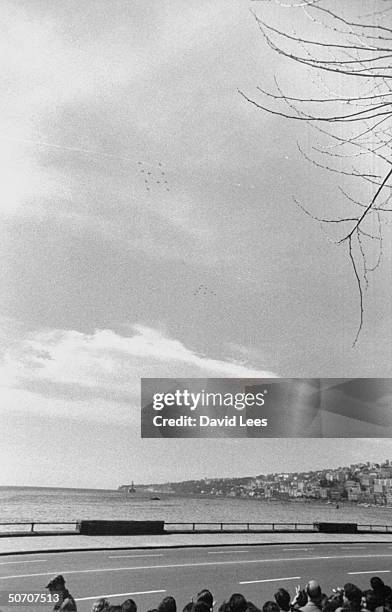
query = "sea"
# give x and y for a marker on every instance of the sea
(24, 504)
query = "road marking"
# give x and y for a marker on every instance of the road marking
(35, 561)
(227, 552)
(271, 580)
(199, 564)
(118, 595)
(370, 572)
(131, 556)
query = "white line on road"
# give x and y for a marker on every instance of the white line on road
(35, 561)
(118, 595)
(227, 552)
(370, 572)
(271, 580)
(199, 564)
(131, 556)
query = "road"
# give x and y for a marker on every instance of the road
(149, 575)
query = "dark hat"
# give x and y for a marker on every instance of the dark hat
(56, 582)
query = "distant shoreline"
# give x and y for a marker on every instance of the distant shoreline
(314, 502)
(143, 492)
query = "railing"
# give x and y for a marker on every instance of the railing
(375, 528)
(73, 528)
(231, 527)
(34, 527)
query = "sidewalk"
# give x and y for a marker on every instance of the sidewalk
(29, 544)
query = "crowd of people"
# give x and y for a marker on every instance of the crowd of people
(349, 598)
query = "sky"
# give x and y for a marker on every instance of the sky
(148, 230)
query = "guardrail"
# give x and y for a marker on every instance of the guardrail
(375, 528)
(34, 527)
(28, 528)
(235, 527)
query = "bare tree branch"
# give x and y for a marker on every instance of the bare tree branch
(349, 86)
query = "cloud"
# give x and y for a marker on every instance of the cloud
(59, 411)
(107, 365)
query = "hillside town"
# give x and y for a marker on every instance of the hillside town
(362, 483)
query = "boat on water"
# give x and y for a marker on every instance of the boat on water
(155, 498)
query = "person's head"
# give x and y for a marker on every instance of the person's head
(352, 595)
(302, 598)
(237, 603)
(206, 597)
(282, 598)
(313, 591)
(224, 607)
(271, 606)
(250, 607)
(56, 584)
(101, 605)
(200, 606)
(129, 606)
(330, 604)
(369, 600)
(168, 604)
(377, 584)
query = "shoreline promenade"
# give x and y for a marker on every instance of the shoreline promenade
(37, 543)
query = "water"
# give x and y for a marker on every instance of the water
(35, 504)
